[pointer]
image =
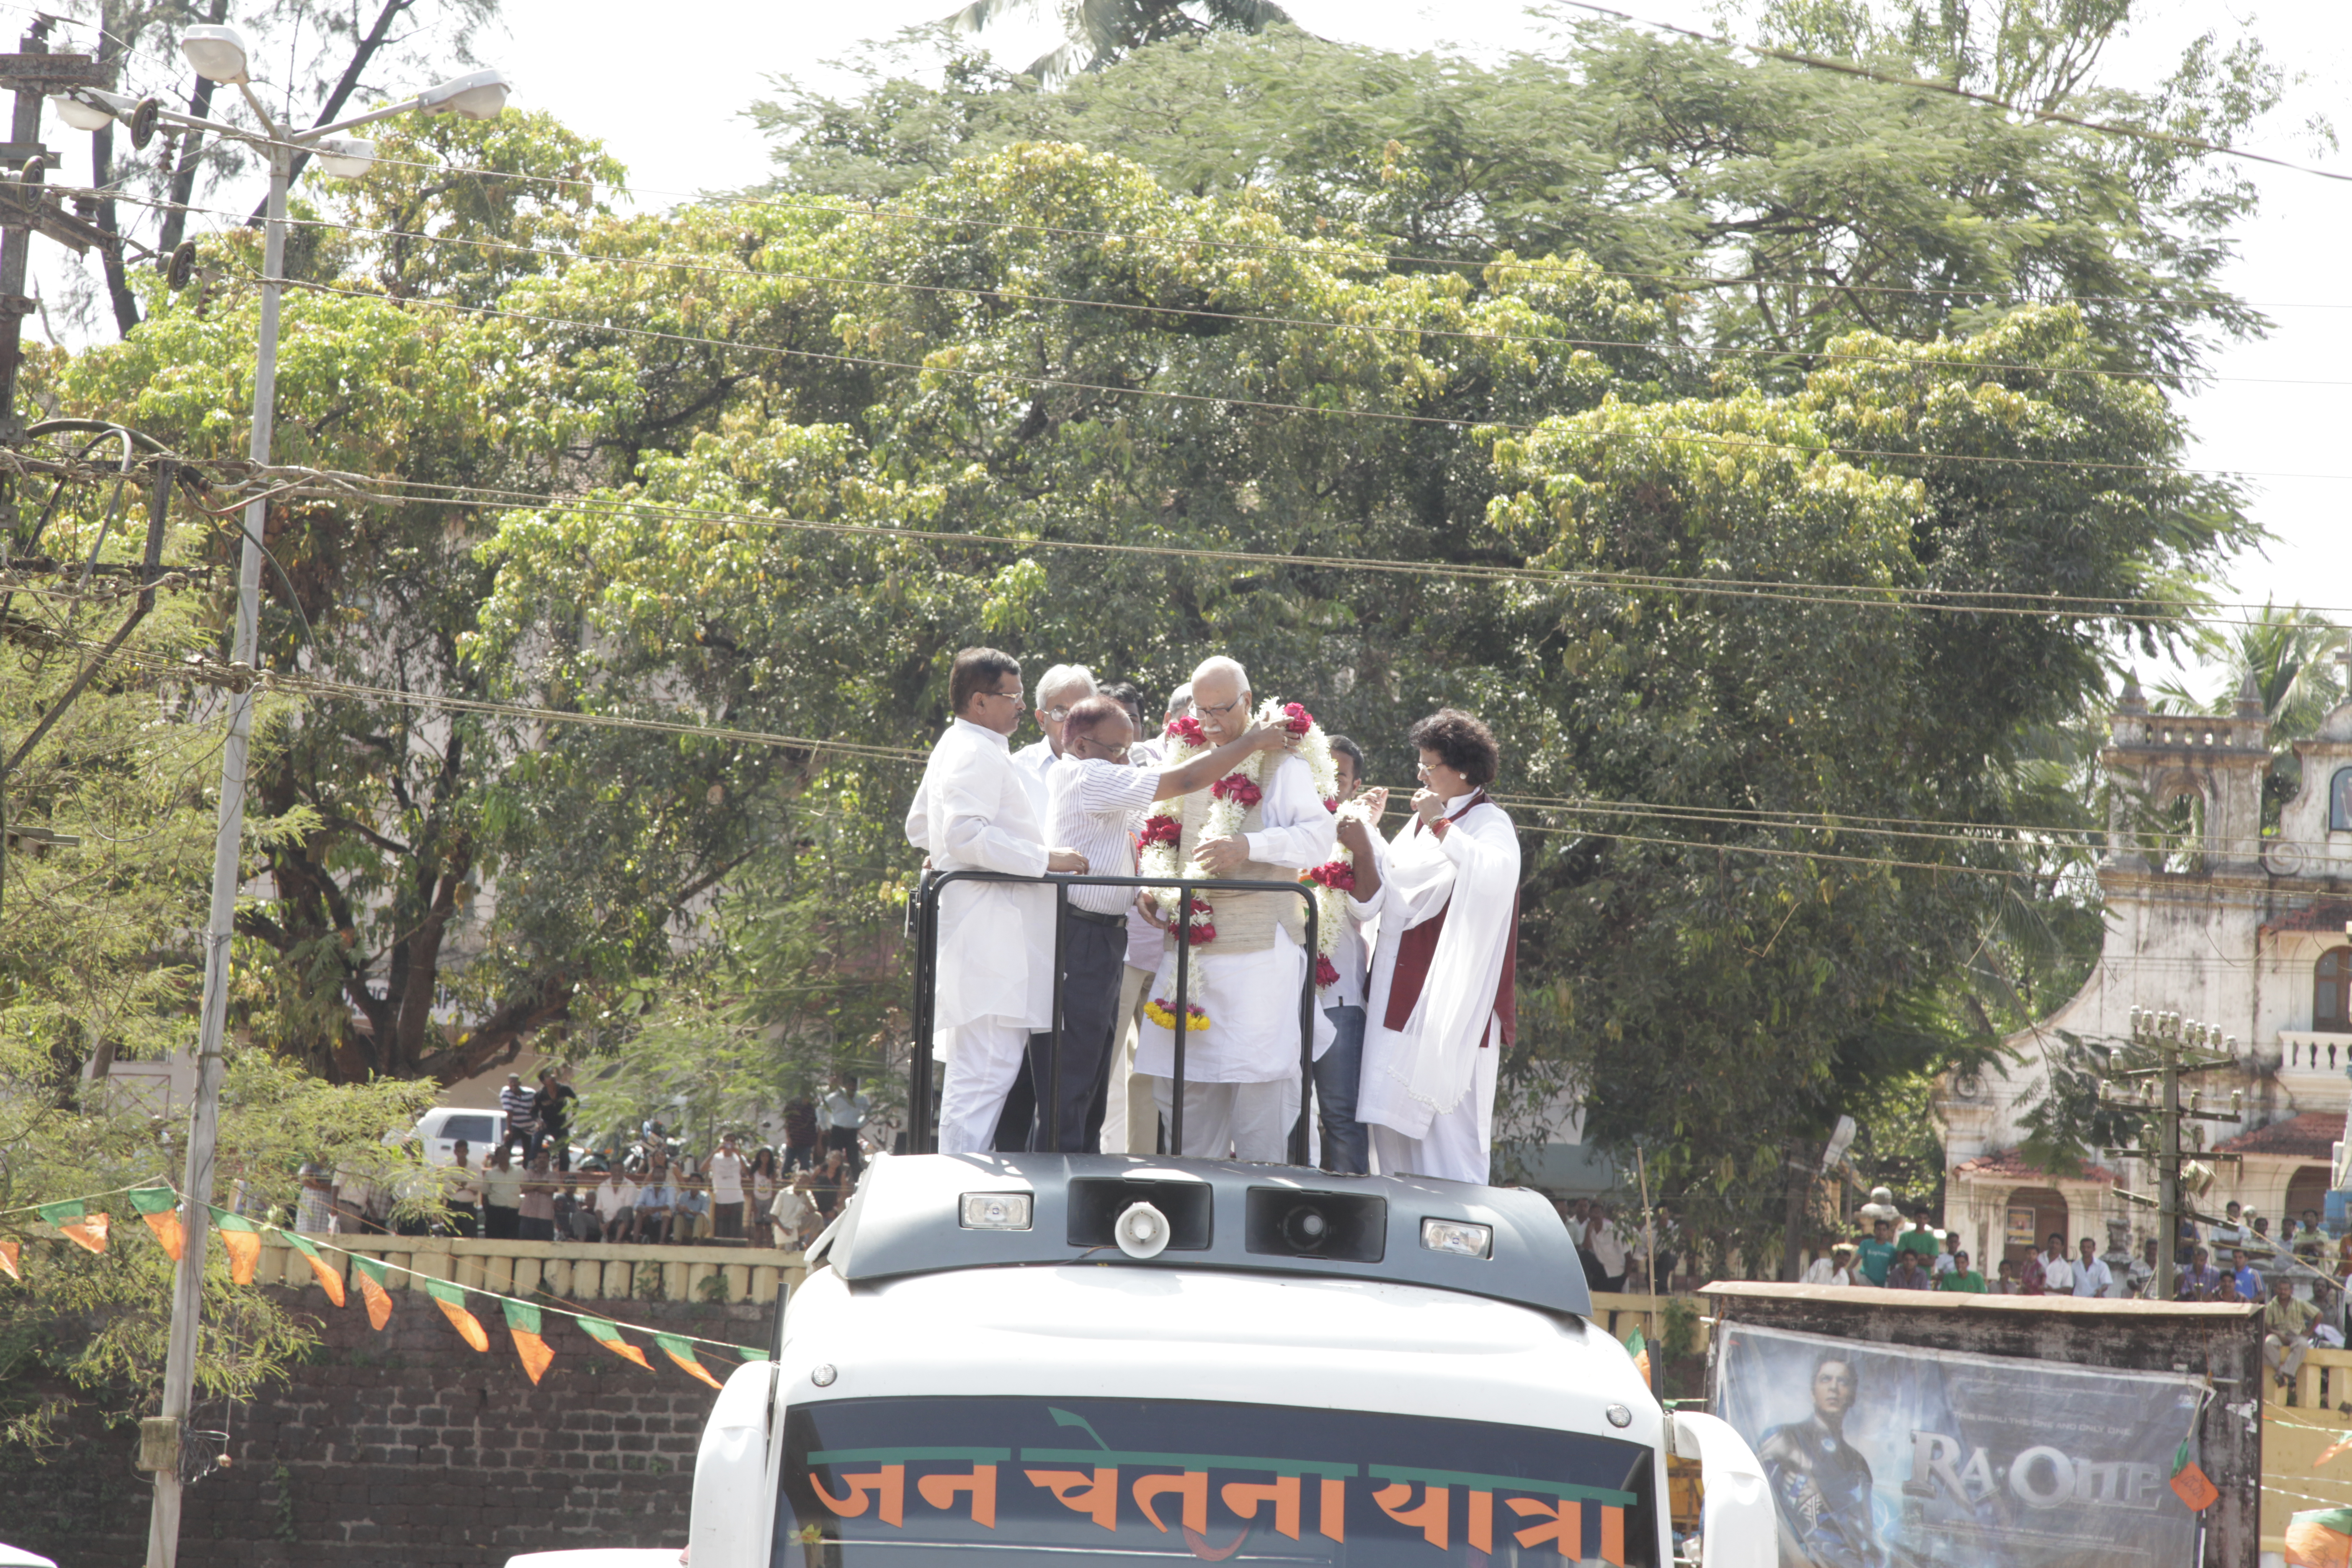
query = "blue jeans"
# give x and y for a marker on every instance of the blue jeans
(1346, 1141)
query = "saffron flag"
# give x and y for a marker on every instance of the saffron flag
(2319, 1538)
(242, 1239)
(159, 1207)
(329, 1280)
(2333, 1449)
(8, 1260)
(523, 1322)
(682, 1351)
(369, 1272)
(82, 1227)
(451, 1299)
(605, 1334)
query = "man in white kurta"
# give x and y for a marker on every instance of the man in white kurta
(994, 979)
(1241, 1074)
(1441, 1011)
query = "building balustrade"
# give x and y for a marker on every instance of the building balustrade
(572, 1270)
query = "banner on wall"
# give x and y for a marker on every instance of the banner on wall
(1893, 1456)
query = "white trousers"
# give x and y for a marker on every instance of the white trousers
(983, 1059)
(1453, 1149)
(1252, 1120)
(1130, 1119)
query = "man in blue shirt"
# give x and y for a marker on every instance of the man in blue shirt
(2249, 1282)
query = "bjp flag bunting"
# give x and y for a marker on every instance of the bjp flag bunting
(241, 1238)
(8, 1260)
(2320, 1538)
(1639, 1349)
(82, 1227)
(159, 1207)
(682, 1351)
(607, 1335)
(523, 1322)
(370, 1274)
(451, 1299)
(329, 1280)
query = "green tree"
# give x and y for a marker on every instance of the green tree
(1101, 31)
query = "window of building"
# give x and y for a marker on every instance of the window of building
(2339, 802)
(2331, 991)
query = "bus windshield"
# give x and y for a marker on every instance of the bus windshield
(1071, 1483)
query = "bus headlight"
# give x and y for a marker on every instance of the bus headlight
(996, 1211)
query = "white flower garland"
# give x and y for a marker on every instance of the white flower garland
(1224, 819)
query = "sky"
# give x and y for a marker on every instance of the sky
(668, 100)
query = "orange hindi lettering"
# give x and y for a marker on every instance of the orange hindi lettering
(1093, 1493)
(1563, 1524)
(1193, 1486)
(888, 1485)
(1244, 1499)
(1482, 1522)
(1334, 1520)
(940, 1492)
(1435, 1509)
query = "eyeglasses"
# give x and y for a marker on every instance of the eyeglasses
(1013, 695)
(1220, 710)
(1053, 715)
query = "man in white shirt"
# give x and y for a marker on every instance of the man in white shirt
(1057, 690)
(616, 1202)
(1098, 801)
(728, 1169)
(1608, 1242)
(2057, 1274)
(1130, 1119)
(993, 982)
(1340, 1068)
(1241, 1072)
(2091, 1275)
(844, 1112)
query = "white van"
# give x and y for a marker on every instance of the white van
(1089, 1360)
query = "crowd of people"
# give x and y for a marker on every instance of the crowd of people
(524, 1188)
(1415, 1001)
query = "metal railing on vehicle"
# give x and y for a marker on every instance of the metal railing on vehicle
(922, 1135)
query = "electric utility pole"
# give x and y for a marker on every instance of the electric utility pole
(2179, 1048)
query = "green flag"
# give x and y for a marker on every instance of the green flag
(154, 1200)
(747, 1354)
(682, 1351)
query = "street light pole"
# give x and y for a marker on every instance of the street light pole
(219, 53)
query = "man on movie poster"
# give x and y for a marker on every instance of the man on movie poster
(1820, 1483)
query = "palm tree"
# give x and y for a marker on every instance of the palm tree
(1100, 31)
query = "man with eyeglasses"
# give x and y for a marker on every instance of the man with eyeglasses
(1241, 1073)
(1058, 689)
(974, 811)
(1098, 800)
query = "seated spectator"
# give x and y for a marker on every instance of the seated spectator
(464, 1194)
(2310, 1244)
(2200, 1281)
(655, 1196)
(689, 1215)
(1834, 1267)
(2287, 1324)
(2247, 1283)
(614, 1202)
(791, 1212)
(829, 1186)
(2007, 1283)
(501, 1196)
(1907, 1274)
(536, 1216)
(575, 1214)
(1960, 1276)
(2140, 1282)
(315, 1212)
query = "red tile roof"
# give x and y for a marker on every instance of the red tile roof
(2008, 1165)
(2310, 1136)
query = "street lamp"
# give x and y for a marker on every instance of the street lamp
(219, 54)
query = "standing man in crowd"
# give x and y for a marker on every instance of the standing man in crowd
(2057, 1274)
(1131, 1118)
(845, 1111)
(1058, 690)
(1875, 1254)
(1444, 1007)
(520, 1106)
(1097, 802)
(728, 1169)
(2091, 1275)
(974, 811)
(802, 1138)
(2140, 1283)
(1241, 1088)
(552, 1108)
(1347, 1141)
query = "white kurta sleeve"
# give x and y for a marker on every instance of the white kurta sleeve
(1298, 833)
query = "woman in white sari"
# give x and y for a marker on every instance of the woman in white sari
(1446, 890)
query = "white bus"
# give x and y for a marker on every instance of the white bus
(1105, 1361)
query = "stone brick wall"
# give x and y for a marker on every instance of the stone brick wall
(408, 1449)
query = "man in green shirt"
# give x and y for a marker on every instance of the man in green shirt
(2286, 1331)
(1920, 1239)
(1875, 1252)
(1960, 1276)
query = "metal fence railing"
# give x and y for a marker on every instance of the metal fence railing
(921, 1130)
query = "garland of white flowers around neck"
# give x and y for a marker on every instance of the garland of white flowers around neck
(1230, 799)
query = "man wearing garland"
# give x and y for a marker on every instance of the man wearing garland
(1266, 821)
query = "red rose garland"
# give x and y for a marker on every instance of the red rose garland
(1237, 788)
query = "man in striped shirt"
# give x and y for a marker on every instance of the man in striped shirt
(522, 1109)
(1096, 800)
